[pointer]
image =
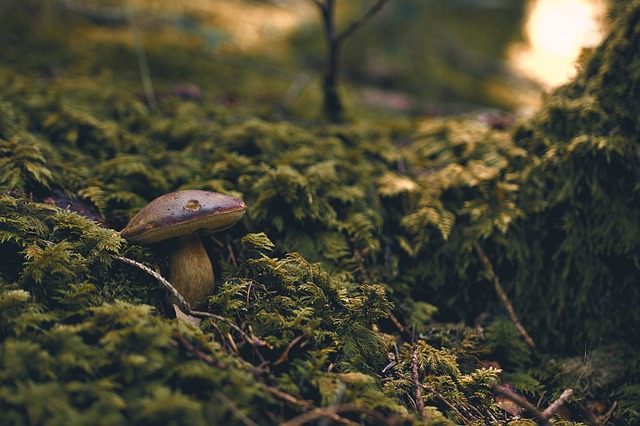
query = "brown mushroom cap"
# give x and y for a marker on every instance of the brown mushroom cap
(182, 213)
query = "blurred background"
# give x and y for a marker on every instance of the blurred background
(419, 57)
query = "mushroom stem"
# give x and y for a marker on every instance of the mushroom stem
(191, 271)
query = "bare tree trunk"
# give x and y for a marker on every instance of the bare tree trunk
(332, 103)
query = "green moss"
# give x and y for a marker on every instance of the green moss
(332, 291)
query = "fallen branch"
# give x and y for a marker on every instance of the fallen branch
(502, 295)
(555, 405)
(416, 383)
(542, 418)
(522, 402)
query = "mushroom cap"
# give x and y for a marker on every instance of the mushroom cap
(182, 213)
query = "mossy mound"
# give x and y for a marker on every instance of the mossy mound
(582, 200)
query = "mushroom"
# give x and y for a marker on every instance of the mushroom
(183, 216)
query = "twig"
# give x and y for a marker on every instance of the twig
(316, 413)
(180, 340)
(522, 402)
(285, 355)
(395, 322)
(331, 409)
(416, 383)
(447, 403)
(234, 409)
(503, 296)
(226, 321)
(331, 412)
(361, 20)
(200, 355)
(143, 63)
(295, 88)
(555, 405)
(181, 301)
(232, 257)
(293, 400)
(184, 305)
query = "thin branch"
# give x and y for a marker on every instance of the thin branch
(447, 403)
(287, 397)
(327, 9)
(285, 355)
(295, 88)
(244, 419)
(361, 20)
(396, 322)
(416, 383)
(503, 296)
(223, 319)
(181, 301)
(542, 420)
(555, 405)
(143, 63)
(331, 412)
(184, 305)
(315, 414)
(180, 340)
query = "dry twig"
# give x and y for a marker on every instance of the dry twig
(503, 296)
(184, 305)
(522, 402)
(542, 418)
(362, 19)
(555, 405)
(448, 404)
(332, 413)
(416, 383)
(143, 63)
(181, 301)
(287, 397)
(180, 340)
(244, 419)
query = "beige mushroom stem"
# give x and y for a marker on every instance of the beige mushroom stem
(191, 271)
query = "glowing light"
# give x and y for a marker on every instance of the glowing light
(557, 30)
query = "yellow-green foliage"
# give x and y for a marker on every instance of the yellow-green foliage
(119, 364)
(443, 384)
(69, 354)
